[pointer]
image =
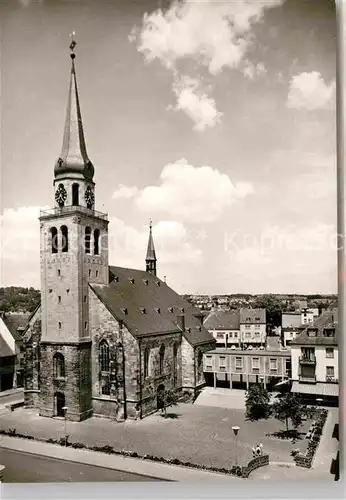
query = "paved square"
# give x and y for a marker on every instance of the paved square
(202, 435)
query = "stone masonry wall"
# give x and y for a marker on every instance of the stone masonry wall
(167, 378)
(31, 374)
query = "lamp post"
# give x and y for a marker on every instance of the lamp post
(235, 430)
(65, 408)
(261, 381)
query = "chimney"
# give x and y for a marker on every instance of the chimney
(181, 321)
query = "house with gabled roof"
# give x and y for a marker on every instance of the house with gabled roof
(314, 355)
(105, 341)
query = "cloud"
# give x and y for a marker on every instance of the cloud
(309, 91)
(286, 256)
(172, 241)
(251, 71)
(125, 192)
(26, 3)
(20, 246)
(195, 103)
(197, 194)
(215, 34)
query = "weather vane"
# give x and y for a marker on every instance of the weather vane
(72, 44)
(150, 223)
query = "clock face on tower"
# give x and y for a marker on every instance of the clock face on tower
(89, 197)
(60, 195)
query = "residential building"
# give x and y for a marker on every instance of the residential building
(224, 327)
(238, 368)
(253, 327)
(290, 323)
(14, 324)
(106, 340)
(308, 315)
(315, 360)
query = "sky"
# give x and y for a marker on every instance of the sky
(216, 119)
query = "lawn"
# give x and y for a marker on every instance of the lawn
(199, 434)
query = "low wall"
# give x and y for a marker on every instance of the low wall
(255, 463)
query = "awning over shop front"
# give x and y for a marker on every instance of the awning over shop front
(319, 389)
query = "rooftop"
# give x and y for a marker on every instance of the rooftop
(148, 306)
(222, 320)
(315, 334)
(251, 352)
(256, 316)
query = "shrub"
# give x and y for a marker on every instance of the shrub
(78, 445)
(12, 432)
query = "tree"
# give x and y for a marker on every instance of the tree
(288, 407)
(273, 307)
(170, 398)
(257, 403)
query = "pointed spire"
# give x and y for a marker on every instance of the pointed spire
(151, 256)
(74, 157)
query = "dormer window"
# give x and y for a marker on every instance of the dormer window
(124, 310)
(170, 309)
(146, 282)
(181, 309)
(116, 279)
(312, 332)
(158, 310)
(132, 280)
(158, 283)
(143, 310)
(329, 332)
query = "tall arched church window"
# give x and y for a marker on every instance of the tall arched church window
(162, 358)
(59, 365)
(64, 239)
(75, 194)
(146, 362)
(104, 373)
(54, 239)
(96, 241)
(175, 364)
(87, 239)
(104, 356)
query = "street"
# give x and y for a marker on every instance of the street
(23, 467)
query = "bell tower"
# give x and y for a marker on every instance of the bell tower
(74, 253)
(150, 260)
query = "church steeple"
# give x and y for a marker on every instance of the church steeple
(150, 259)
(73, 160)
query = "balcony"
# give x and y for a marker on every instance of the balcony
(70, 209)
(332, 380)
(308, 360)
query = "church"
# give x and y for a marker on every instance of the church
(105, 341)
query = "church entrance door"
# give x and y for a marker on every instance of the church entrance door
(59, 404)
(160, 397)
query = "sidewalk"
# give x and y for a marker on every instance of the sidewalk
(328, 446)
(115, 462)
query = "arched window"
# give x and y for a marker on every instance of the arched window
(162, 358)
(59, 365)
(64, 239)
(54, 239)
(87, 239)
(75, 194)
(175, 355)
(104, 356)
(96, 241)
(146, 362)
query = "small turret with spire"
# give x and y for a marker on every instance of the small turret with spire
(150, 259)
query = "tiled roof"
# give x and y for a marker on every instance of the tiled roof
(148, 306)
(15, 321)
(253, 316)
(222, 320)
(326, 320)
